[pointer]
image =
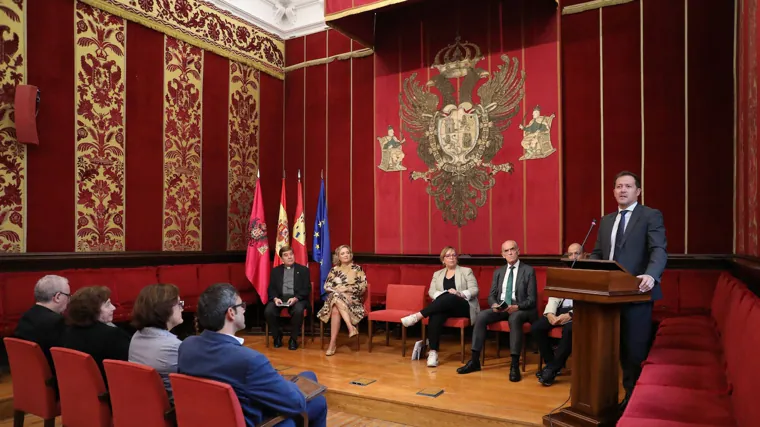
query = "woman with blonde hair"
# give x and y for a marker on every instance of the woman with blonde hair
(454, 292)
(345, 285)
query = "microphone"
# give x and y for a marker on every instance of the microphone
(583, 245)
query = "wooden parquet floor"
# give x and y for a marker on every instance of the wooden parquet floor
(485, 398)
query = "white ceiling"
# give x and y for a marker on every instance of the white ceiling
(285, 18)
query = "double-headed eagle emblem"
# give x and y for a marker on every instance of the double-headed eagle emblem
(458, 141)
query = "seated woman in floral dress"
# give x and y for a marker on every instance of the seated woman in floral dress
(345, 286)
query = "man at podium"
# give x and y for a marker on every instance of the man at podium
(634, 236)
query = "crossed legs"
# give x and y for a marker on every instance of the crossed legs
(339, 310)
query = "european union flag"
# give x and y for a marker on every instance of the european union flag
(321, 246)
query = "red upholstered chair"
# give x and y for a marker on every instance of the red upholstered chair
(382, 275)
(84, 399)
(367, 307)
(503, 326)
(33, 388)
(285, 313)
(401, 300)
(138, 396)
(201, 403)
(452, 322)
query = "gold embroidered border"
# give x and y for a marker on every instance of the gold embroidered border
(243, 151)
(340, 57)
(591, 5)
(183, 84)
(100, 52)
(360, 9)
(202, 24)
(12, 154)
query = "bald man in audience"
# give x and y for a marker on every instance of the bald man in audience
(43, 323)
(557, 314)
(512, 298)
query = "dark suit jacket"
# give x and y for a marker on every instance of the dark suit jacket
(644, 246)
(301, 282)
(525, 286)
(44, 327)
(260, 389)
(100, 341)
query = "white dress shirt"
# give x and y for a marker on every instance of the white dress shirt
(625, 226)
(514, 283)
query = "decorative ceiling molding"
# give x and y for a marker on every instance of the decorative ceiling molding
(285, 18)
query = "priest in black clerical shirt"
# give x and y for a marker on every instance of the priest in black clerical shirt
(289, 287)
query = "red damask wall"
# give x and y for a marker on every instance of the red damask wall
(51, 165)
(648, 87)
(643, 89)
(328, 130)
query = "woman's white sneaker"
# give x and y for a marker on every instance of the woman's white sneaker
(432, 360)
(409, 320)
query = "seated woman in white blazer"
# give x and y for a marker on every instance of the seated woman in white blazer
(454, 292)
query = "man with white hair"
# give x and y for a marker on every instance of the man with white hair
(43, 323)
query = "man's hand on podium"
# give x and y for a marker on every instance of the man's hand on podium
(647, 282)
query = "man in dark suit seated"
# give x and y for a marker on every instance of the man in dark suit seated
(44, 323)
(289, 284)
(634, 236)
(217, 354)
(512, 298)
(558, 313)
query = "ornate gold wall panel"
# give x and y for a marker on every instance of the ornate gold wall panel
(100, 64)
(183, 84)
(12, 154)
(243, 151)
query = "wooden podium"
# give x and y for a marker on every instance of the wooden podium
(597, 287)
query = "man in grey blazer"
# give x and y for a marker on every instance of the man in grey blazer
(634, 236)
(512, 298)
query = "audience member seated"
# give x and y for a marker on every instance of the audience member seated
(512, 298)
(289, 285)
(44, 323)
(454, 292)
(157, 311)
(558, 313)
(217, 354)
(345, 284)
(90, 329)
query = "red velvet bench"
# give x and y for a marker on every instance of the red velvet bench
(702, 369)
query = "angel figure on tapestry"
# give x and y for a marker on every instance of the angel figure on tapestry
(536, 142)
(393, 152)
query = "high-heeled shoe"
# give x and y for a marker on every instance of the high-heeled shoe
(330, 351)
(354, 332)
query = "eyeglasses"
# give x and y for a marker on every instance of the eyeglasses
(241, 305)
(64, 293)
(181, 304)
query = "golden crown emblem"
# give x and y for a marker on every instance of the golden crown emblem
(455, 59)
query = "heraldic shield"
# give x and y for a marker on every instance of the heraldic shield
(458, 141)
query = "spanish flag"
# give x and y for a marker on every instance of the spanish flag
(283, 234)
(299, 229)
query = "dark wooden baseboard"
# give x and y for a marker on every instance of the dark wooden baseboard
(67, 260)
